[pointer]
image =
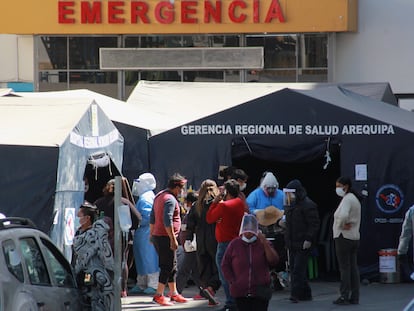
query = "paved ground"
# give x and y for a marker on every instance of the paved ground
(374, 296)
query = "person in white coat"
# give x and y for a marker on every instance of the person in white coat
(347, 220)
(407, 232)
(146, 257)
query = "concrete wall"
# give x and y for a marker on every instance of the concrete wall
(382, 49)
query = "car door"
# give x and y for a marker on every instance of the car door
(39, 285)
(52, 284)
(62, 277)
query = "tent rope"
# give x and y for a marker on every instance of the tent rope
(247, 145)
(327, 154)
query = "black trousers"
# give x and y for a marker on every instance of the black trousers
(347, 255)
(167, 259)
(298, 261)
(251, 304)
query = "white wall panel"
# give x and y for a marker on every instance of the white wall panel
(25, 58)
(8, 58)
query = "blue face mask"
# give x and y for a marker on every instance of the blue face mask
(251, 240)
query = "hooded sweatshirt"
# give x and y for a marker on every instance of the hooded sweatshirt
(302, 218)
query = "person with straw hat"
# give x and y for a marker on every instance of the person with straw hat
(270, 223)
(269, 216)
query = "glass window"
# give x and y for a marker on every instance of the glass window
(312, 51)
(83, 70)
(312, 75)
(34, 261)
(13, 259)
(52, 53)
(73, 62)
(279, 50)
(61, 270)
(84, 51)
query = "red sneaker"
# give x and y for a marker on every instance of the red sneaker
(198, 297)
(162, 300)
(178, 298)
(209, 294)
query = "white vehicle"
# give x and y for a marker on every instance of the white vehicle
(34, 275)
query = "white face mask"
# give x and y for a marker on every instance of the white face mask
(251, 240)
(340, 191)
(243, 186)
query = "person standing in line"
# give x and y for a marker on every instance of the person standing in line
(347, 220)
(105, 204)
(241, 177)
(206, 240)
(93, 260)
(226, 211)
(146, 257)
(407, 231)
(246, 264)
(267, 194)
(302, 226)
(187, 260)
(165, 224)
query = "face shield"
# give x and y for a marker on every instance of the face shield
(249, 224)
(289, 197)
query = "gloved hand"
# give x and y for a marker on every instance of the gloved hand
(188, 246)
(307, 244)
(282, 222)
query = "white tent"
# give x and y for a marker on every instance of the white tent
(126, 117)
(44, 149)
(166, 105)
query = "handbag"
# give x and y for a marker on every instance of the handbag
(264, 292)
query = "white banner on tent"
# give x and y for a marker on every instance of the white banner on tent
(291, 129)
(92, 142)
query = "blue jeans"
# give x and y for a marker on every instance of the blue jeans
(221, 249)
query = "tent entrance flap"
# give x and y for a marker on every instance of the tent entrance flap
(317, 177)
(97, 173)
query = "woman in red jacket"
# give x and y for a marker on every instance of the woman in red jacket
(246, 265)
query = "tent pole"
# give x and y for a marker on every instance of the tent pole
(117, 245)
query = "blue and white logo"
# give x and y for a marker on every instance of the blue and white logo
(389, 198)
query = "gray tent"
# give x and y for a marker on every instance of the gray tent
(45, 145)
(126, 118)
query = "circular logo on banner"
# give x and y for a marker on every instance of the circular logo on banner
(389, 198)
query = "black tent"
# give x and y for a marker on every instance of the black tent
(316, 136)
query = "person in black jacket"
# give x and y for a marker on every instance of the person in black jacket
(206, 240)
(302, 225)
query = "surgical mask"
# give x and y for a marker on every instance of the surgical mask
(243, 186)
(340, 191)
(251, 240)
(82, 220)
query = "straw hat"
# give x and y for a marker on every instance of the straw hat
(269, 215)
